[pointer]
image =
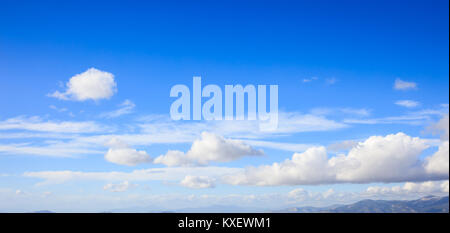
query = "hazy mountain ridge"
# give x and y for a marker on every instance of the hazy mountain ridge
(428, 204)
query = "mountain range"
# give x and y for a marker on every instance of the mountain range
(428, 204)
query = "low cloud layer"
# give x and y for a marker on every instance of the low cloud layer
(393, 158)
(429, 187)
(120, 187)
(198, 182)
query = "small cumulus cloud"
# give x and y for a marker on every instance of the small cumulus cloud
(120, 153)
(407, 103)
(209, 148)
(93, 84)
(404, 85)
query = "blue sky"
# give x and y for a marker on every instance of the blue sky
(341, 67)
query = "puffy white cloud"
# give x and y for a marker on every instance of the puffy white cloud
(209, 148)
(126, 107)
(93, 84)
(121, 153)
(381, 159)
(407, 103)
(441, 127)
(444, 186)
(404, 85)
(120, 187)
(299, 194)
(438, 163)
(393, 158)
(198, 182)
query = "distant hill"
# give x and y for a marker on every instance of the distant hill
(428, 204)
(43, 212)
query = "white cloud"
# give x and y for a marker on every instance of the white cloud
(438, 163)
(359, 112)
(93, 84)
(38, 124)
(159, 174)
(57, 109)
(331, 81)
(19, 192)
(292, 122)
(126, 107)
(198, 182)
(294, 147)
(121, 153)
(404, 85)
(407, 103)
(288, 123)
(120, 187)
(424, 188)
(209, 148)
(307, 80)
(51, 150)
(393, 158)
(444, 186)
(421, 117)
(442, 127)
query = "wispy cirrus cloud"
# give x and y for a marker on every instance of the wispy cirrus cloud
(308, 80)
(126, 107)
(119, 187)
(198, 182)
(36, 123)
(404, 85)
(419, 117)
(160, 174)
(407, 103)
